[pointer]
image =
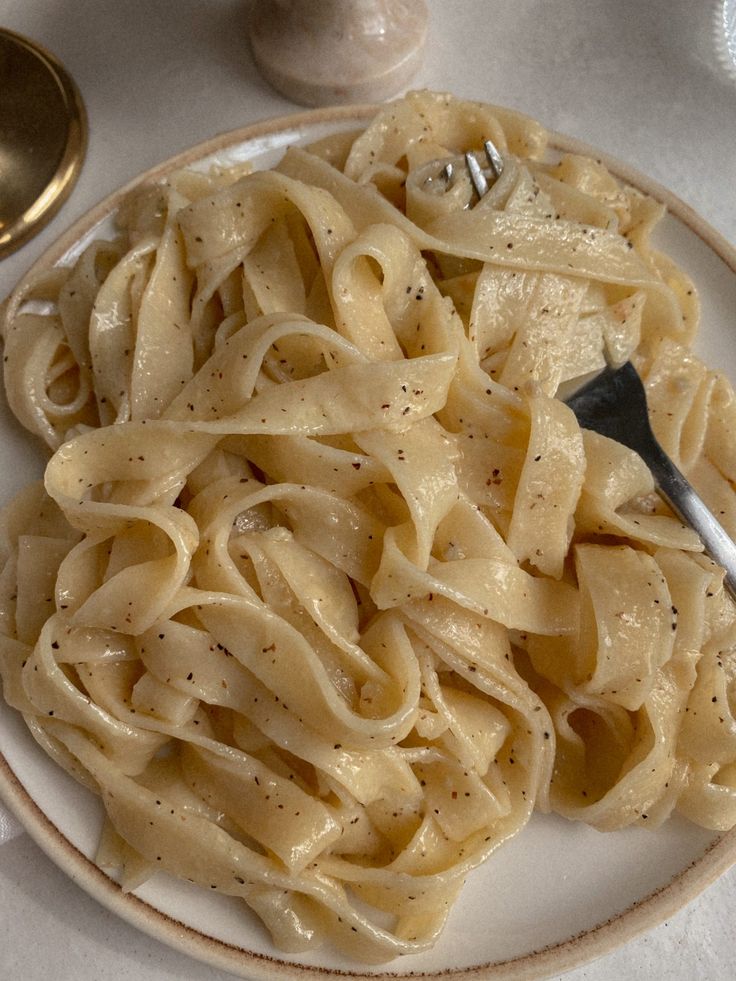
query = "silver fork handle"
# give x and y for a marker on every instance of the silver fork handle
(687, 503)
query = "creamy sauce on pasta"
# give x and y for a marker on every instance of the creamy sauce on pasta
(325, 590)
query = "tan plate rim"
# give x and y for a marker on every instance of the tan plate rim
(557, 958)
(70, 165)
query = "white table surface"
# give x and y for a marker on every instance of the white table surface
(640, 79)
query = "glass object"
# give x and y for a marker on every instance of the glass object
(727, 33)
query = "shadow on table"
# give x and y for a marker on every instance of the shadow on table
(121, 49)
(90, 941)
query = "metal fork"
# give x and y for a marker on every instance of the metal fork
(477, 173)
(614, 403)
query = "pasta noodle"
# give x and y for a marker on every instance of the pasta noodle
(325, 590)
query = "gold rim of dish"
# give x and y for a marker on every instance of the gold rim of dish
(62, 181)
(590, 944)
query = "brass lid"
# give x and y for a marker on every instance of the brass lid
(43, 138)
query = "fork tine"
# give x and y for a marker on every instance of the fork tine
(476, 175)
(494, 158)
(614, 403)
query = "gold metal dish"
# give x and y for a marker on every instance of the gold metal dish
(43, 138)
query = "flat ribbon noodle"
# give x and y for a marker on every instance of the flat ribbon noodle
(325, 591)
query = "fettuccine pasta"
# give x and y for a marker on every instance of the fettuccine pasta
(325, 590)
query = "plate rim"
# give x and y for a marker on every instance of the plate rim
(574, 951)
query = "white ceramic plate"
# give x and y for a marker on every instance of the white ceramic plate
(556, 896)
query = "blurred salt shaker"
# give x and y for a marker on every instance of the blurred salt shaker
(324, 52)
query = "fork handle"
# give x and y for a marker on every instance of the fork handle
(687, 503)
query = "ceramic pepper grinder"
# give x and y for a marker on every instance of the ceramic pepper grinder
(325, 52)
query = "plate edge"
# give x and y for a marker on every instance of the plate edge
(574, 951)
